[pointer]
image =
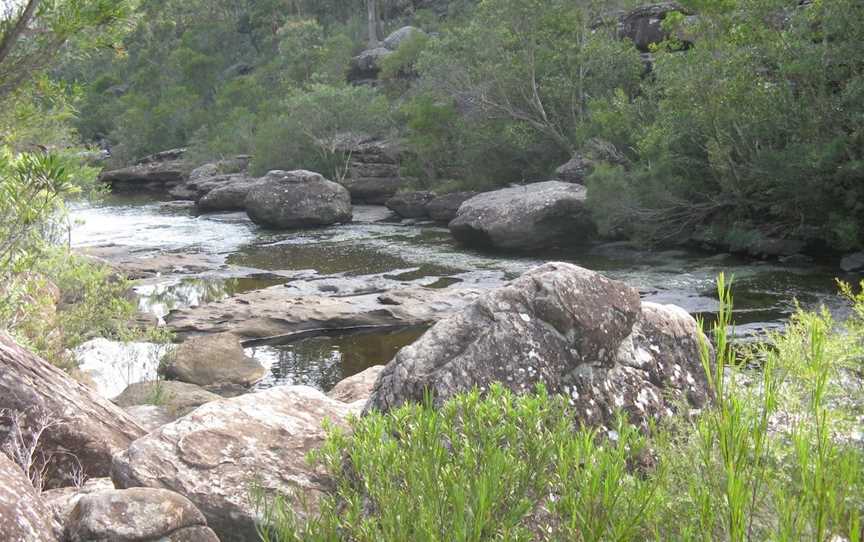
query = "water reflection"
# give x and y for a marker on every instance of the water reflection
(323, 362)
(163, 297)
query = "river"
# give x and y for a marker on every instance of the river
(378, 247)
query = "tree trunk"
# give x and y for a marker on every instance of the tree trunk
(372, 19)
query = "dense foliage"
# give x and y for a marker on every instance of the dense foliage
(752, 128)
(51, 300)
(774, 458)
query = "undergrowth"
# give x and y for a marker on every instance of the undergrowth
(775, 457)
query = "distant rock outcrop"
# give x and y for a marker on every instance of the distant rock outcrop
(159, 173)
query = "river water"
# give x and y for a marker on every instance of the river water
(379, 246)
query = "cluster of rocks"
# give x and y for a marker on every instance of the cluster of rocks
(188, 476)
(428, 205)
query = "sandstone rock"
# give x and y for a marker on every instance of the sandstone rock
(277, 312)
(136, 515)
(177, 398)
(445, 208)
(214, 361)
(410, 204)
(156, 173)
(578, 333)
(297, 199)
(85, 428)
(575, 170)
(62, 501)
(526, 217)
(358, 387)
(229, 196)
(852, 262)
(212, 455)
(150, 417)
(24, 517)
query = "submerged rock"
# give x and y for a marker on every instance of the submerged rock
(530, 217)
(578, 333)
(297, 199)
(83, 429)
(215, 454)
(24, 517)
(137, 515)
(213, 361)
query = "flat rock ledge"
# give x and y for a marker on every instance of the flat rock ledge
(276, 312)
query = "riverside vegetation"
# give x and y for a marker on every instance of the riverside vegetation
(748, 121)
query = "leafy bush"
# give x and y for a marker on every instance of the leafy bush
(771, 459)
(310, 129)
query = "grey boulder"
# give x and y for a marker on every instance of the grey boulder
(297, 199)
(228, 196)
(852, 262)
(137, 515)
(576, 332)
(539, 215)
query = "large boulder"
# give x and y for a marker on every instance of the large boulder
(539, 215)
(444, 208)
(214, 455)
(297, 199)
(214, 361)
(24, 517)
(82, 430)
(410, 204)
(578, 333)
(229, 196)
(137, 515)
(159, 172)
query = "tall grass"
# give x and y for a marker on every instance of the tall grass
(773, 458)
